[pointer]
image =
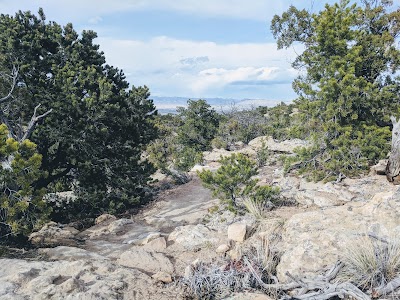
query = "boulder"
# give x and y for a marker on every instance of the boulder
(142, 239)
(287, 146)
(81, 279)
(157, 244)
(107, 228)
(331, 194)
(145, 260)
(53, 234)
(379, 168)
(237, 232)
(314, 240)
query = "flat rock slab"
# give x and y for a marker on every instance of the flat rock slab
(82, 279)
(186, 204)
(145, 260)
(315, 240)
(192, 237)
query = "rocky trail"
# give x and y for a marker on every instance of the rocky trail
(145, 256)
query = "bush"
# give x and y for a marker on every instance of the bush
(22, 208)
(234, 180)
(370, 263)
(199, 125)
(262, 155)
(239, 126)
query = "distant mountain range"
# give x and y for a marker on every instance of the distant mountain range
(167, 105)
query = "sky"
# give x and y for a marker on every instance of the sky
(186, 48)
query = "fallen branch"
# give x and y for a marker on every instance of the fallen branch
(388, 289)
(318, 288)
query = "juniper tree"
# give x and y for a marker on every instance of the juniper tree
(93, 139)
(22, 208)
(348, 87)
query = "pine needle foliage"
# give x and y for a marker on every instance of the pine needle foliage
(348, 86)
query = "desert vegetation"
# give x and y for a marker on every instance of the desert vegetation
(79, 146)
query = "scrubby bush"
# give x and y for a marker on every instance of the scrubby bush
(239, 126)
(182, 138)
(262, 154)
(234, 181)
(199, 125)
(371, 263)
(349, 84)
(22, 208)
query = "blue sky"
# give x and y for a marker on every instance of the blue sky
(186, 48)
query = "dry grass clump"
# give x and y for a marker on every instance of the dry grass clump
(255, 207)
(255, 268)
(209, 281)
(371, 262)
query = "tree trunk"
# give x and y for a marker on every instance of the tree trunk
(393, 165)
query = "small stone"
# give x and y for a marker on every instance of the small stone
(162, 277)
(157, 244)
(152, 236)
(196, 262)
(234, 254)
(237, 232)
(188, 272)
(223, 248)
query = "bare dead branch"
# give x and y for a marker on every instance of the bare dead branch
(14, 76)
(393, 165)
(33, 122)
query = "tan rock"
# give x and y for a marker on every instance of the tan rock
(162, 277)
(188, 272)
(150, 237)
(331, 194)
(237, 232)
(146, 260)
(53, 234)
(315, 240)
(223, 248)
(248, 296)
(192, 236)
(379, 168)
(103, 218)
(80, 279)
(157, 244)
(287, 146)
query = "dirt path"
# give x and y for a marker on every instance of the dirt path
(185, 204)
(182, 205)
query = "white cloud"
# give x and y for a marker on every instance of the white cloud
(95, 20)
(162, 62)
(221, 77)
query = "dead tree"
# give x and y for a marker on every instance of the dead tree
(393, 165)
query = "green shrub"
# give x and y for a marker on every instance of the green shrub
(239, 126)
(22, 208)
(348, 82)
(234, 181)
(262, 154)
